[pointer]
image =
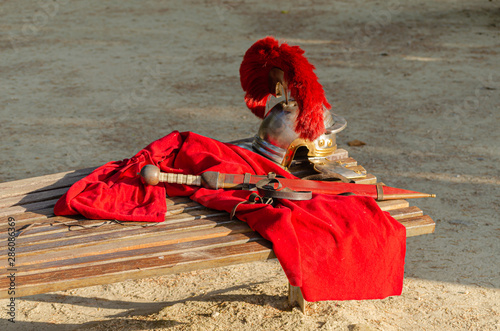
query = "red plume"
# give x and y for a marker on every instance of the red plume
(302, 82)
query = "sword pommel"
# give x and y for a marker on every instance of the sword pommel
(151, 174)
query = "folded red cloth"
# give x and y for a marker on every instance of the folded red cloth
(333, 247)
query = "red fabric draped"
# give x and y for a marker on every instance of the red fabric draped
(333, 247)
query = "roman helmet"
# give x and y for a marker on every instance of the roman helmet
(269, 71)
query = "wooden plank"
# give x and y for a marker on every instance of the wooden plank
(32, 197)
(60, 236)
(420, 224)
(177, 200)
(70, 262)
(42, 183)
(203, 212)
(125, 247)
(113, 232)
(148, 267)
(369, 179)
(404, 213)
(196, 210)
(295, 297)
(29, 207)
(62, 223)
(392, 204)
(25, 218)
(183, 207)
(147, 263)
(88, 240)
(52, 225)
(341, 159)
(417, 226)
(39, 233)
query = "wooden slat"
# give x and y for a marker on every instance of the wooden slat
(47, 240)
(417, 226)
(61, 223)
(369, 179)
(147, 267)
(131, 243)
(198, 213)
(26, 218)
(183, 206)
(177, 201)
(54, 225)
(29, 207)
(295, 297)
(32, 197)
(107, 241)
(55, 262)
(42, 222)
(42, 183)
(399, 209)
(392, 204)
(89, 240)
(404, 213)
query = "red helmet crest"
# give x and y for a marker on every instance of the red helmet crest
(300, 79)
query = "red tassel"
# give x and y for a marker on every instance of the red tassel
(303, 84)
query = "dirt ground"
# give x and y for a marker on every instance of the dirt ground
(86, 82)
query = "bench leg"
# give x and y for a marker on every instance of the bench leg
(295, 297)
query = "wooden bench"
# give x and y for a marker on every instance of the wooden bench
(59, 253)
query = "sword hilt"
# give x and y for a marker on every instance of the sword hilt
(153, 176)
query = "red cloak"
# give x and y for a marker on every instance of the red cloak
(333, 247)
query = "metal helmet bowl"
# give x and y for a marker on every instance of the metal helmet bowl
(278, 141)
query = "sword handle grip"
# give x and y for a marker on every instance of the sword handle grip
(153, 176)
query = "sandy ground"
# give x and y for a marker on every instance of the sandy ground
(86, 82)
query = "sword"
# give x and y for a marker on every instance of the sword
(216, 180)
